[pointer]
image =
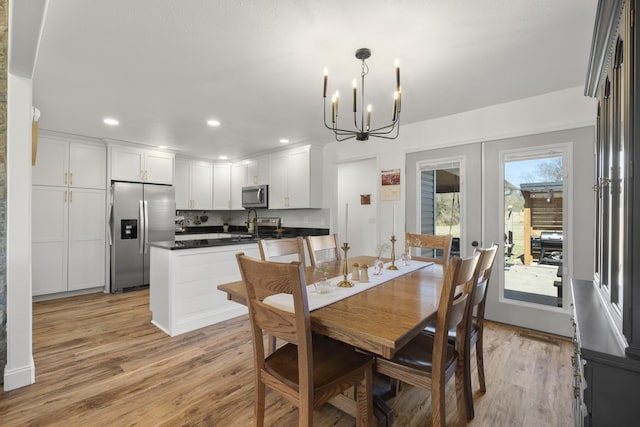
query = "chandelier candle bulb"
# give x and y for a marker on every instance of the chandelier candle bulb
(395, 105)
(326, 76)
(355, 85)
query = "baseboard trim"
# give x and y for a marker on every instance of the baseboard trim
(19, 377)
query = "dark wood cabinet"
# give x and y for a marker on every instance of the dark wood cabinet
(607, 310)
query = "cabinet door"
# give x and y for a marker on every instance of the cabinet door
(258, 171)
(278, 191)
(87, 228)
(298, 180)
(87, 166)
(49, 239)
(52, 164)
(238, 180)
(201, 185)
(222, 186)
(181, 185)
(127, 164)
(158, 167)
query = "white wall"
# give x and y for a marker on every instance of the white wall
(20, 369)
(565, 109)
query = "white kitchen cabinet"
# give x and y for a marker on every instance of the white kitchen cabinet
(258, 171)
(193, 185)
(238, 180)
(68, 239)
(139, 165)
(295, 179)
(222, 186)
(67, 163)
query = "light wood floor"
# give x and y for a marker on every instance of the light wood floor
(100, 362)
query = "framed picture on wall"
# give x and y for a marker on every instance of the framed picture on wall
(390, 181)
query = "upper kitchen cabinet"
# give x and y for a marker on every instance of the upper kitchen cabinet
(63, 163)
(258, 171)
(193, 185)
(222, 186)
(138, 165)
(295, 179)
(239, 179)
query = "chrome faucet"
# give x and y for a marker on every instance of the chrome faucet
(255, 216)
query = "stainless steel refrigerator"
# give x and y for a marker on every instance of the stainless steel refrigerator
(140, 213)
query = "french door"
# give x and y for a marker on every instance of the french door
(518, 193)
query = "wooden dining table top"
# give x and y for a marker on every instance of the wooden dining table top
(381, 319)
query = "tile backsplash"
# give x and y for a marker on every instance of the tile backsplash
(315, 218)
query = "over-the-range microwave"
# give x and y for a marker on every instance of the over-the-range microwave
(256, 196)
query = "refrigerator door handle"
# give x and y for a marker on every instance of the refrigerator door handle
(146, 227)
(142, 225)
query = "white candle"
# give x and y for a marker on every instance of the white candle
(394, 220)
(346, 221)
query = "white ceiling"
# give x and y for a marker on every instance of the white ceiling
(164, 67)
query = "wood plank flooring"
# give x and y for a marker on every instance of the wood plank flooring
(100, 362)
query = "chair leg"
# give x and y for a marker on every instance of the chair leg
(438, 408)
(260, 403)
(466, 379)
(480, 360)
(365, 399)
(461, 392)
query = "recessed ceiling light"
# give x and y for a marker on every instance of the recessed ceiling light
(213, 123)
(223, 157)
(164, 147)
(284, 141)
(112, 122)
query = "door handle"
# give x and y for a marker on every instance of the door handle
(141, 213)
(475, 243)
(146, 227)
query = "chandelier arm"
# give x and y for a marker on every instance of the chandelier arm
(344, 139)
(389, 126)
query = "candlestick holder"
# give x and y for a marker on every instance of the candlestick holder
(393, 253)
(345, 283)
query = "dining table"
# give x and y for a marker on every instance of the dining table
(380, 319)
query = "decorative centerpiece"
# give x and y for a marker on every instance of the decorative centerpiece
(378, 264)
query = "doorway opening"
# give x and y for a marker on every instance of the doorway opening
(533, 224)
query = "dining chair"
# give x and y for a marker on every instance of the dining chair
(327, 244)
(429, 361)
(270, 249)
(474, 323)
(310, 369)
(436, 243)
(276, 248)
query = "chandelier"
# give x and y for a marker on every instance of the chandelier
(363, 129)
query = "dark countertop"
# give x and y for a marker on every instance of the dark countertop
(262, 232)
(204, 243)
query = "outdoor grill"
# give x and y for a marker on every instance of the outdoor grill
(550, 241)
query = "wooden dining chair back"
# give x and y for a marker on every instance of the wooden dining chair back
(474, 319)
(437, 244)
(271, 249)
(310, 369)
(327, 244)
(429, 361)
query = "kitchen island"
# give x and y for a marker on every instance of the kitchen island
(183, 293)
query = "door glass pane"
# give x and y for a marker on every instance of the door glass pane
(533, 224)
(440, 203)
